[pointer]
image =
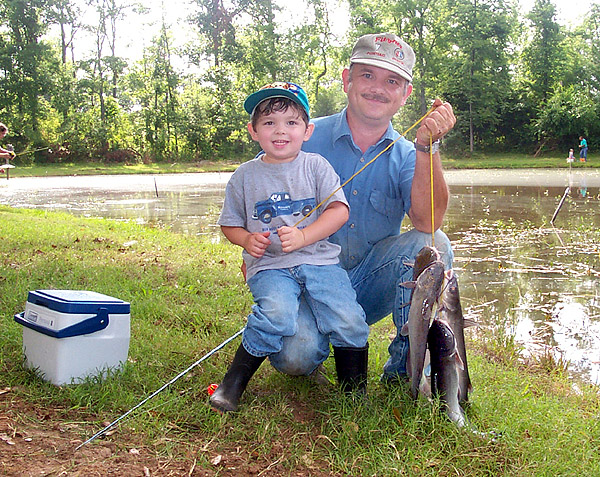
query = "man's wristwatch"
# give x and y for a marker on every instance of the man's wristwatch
(435, 147)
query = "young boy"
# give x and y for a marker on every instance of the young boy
(264, 201)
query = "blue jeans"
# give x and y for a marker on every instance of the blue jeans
(583, 153)
(328, 297)
(377, 282)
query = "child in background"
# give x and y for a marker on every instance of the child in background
(265, 199)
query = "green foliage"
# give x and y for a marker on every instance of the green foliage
(515, 81)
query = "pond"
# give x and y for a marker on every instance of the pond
(536, 282)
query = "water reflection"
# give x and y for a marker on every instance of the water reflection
(539, 282)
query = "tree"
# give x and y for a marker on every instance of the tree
(66, 14)
(542, 56)
(25, 79)
(476, 76)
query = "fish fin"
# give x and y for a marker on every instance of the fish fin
(409, 284)
(404, 330)
(459, 362)
(468, 322)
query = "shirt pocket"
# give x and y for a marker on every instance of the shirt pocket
(388, 206)
(386, 218)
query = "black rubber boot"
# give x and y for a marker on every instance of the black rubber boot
(227, 396)
(351, 367)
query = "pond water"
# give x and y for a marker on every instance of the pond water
(538, 283)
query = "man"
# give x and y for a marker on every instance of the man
(377, 257)
(583, 148)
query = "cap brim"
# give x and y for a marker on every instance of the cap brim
(386, 66)
(255, 98)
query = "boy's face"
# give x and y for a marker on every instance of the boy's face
(280, 134)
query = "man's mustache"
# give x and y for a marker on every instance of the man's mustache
(376, 97)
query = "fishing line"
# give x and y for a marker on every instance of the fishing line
(28, 151)
(431, 187)
(164, 386)
(365, 166)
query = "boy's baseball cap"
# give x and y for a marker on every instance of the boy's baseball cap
(387, 51)
(279, 89)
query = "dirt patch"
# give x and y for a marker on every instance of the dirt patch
(42, 442)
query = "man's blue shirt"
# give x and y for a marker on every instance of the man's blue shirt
(379, 196)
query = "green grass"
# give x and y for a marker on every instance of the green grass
(450, 161)
(187, 296)
(515, 161)
(100, 168)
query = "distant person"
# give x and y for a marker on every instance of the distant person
(5, 153)
(583, 148)
(571, 157)
(265, 199)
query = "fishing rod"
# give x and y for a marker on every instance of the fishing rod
(29, 151)
(163, 387)
(431, 110)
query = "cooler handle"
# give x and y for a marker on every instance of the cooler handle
(85, 327)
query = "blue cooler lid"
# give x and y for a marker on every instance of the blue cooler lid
(77, 301)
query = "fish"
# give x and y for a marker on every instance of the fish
(445, 366)
(425, 295)
(451, 312)
(426, 256)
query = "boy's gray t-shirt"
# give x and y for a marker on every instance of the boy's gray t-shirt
(263, 197)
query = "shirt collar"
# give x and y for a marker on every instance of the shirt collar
(341, 129)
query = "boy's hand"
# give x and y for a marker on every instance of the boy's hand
(291, 238)
(257, 243)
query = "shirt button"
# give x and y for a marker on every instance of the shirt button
(352, 257)
(354, 192)
(351, 226)
(362, 159)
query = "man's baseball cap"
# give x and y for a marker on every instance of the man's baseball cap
(385, 50)
(278, 90)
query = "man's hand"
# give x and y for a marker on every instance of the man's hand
(256, 244)
(291, 238)
(437, 124)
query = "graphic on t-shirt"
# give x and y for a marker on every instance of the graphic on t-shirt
(280, 203)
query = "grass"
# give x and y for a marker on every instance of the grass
(101, 168)
(450, 161)
(187, 296)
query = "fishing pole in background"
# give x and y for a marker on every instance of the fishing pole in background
(566, 192)
(30, 151)
(11, 148)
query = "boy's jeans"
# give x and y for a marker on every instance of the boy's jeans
(377, 282)
(328, 297)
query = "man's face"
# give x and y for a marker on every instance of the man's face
(374, 94)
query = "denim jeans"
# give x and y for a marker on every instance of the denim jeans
(327, 295)
(377, 282)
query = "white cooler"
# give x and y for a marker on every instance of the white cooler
(71, 334)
